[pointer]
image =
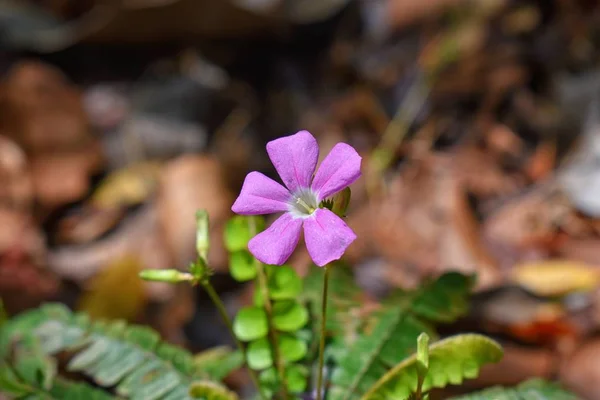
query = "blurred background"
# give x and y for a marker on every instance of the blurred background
(478, 122)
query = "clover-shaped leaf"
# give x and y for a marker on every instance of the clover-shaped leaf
(250, 324)
(289, 316)
(242, 266)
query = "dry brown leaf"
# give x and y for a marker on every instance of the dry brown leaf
(42, 111)
(518, 364)
(581, 371)
(63, 178)
(424, 221)
(525, 223)
(542, 162)
(487, 179)
(139, 235)
(16, 186)
(87, 224)
(580, 250)
(188, 184)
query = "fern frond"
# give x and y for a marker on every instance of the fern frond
(533, 389)
(394, 334)
(36, 387)
(131, 358)
(450, 361)
(343, 295)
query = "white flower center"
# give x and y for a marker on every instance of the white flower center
(303, 203)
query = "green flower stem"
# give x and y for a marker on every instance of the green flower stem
(223, 312)
(264, 288)
(323, 333)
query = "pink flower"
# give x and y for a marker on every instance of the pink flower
(295, 158)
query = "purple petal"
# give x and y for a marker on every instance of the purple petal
(327, 236)
(276, 244)
(339, 169)
(295, 158)
(261, 195)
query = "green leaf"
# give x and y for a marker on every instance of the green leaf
(391, 336)
(343, 295)
(211, 391)
(289, 316)
(296, 377)
(450, 362)
(391, 340)
(130, 357)
(532, 389)
(269, 378)
(250, 324)
(291, 348)
(284, 283)
(444, 299)
(32, 365)
(10, 383)
(218, 362)
(259, 354)
(242, 266)
(238, 231)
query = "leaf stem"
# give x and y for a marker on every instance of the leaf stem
(323, 329)
(223, 312)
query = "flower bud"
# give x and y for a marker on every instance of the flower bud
(165, 275)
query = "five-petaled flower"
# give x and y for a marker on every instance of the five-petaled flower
(295, 158)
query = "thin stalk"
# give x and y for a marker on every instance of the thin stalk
(323, 331)
(264, 287)
(223, 312)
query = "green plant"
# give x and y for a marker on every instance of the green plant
(131, 358)
(293, 336)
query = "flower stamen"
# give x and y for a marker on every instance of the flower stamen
(303, 203)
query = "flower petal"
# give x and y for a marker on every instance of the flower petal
(276, 244)
(261, 195)
(327, 236)
(339, 169)
(295, 158)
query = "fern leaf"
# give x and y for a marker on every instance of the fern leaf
(343, 294)
(130, 358)
(394, 335)
(219, 362)
(31, 388)
(207, 390)
(445, 299)
(450, 361)
(532, 389)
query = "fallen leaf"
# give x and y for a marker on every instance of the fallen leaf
(519, 363)
(128, 186)
(138, 235)
(190, 183)
(87, 224)
(42, 111)
(116, 292)
(556, 277)
(63, 178)
(581, 371)
(16, 186)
